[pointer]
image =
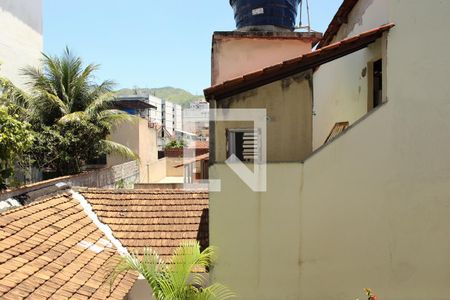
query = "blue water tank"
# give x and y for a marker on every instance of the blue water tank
(254, 13)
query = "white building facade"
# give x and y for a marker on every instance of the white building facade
(21, 41)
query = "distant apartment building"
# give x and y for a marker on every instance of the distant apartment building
(156, 114)
(21, 41)
(166, 114)
(196, 119)
(178, 117)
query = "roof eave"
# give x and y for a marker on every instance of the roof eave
(295, 66)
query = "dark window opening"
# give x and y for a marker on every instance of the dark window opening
(377, 95)
(244, 144)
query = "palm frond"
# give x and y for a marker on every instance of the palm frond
(100, 103)
(115, 117)
(73, 117)
(119, 149)
(12, 94)
(55, 101)
(214, 291)
(171, 280)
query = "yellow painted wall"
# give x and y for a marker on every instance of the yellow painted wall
(341, 91)
(341, 86)
(256, 233)
(289, 110)
(156, 171)
(140, 138)
(171, 171)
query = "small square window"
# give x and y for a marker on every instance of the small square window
(244, 143)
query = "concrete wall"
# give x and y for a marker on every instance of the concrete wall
(155, 171)
(125, 174)
(141, 290)
(171, 171)
(341, 91)
(257, 233)
(382, 205)
(21, 37)
(341, 87)
(289, 110)
(372, 206)
(140, 138)
(237, 53)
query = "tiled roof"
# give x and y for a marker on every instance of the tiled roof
(339, 18)
(160, 219)
(52, 249)
(295, 65)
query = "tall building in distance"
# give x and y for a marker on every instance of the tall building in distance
(167, 114)
(196, 119)
(21, 37)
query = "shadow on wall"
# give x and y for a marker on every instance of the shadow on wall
(203, 230)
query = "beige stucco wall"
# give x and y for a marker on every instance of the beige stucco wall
(21, 37)
(373, 205)
(256, 233)
(341, 91)
(140, 138)
(379, 195)
(141, 290)
(234, 57)
(171, 171)
(289, 111)
(366, 15)
(155, 171)
(341, 87)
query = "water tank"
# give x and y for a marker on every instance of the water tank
(254, 14)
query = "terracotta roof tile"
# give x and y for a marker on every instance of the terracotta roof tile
(295, 65)
(160, 219)
(42, 255)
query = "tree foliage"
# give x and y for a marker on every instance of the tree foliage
(177, 279)
(71, 114)
(15, 139)
(176, 144)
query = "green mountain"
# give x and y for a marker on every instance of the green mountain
(171, 94)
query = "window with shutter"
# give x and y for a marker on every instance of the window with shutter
(244, 143)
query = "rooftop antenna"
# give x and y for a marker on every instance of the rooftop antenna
(301, 26)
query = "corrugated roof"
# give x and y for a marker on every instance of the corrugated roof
(295, 65)
(52, 249)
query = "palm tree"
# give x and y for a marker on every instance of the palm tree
(177, 279)
(63, 91)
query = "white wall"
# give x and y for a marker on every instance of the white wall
(21, 40)
(373, 205)
(156, 114)
(178, 117)
(341, 87)
(256, 233)
(375, 202)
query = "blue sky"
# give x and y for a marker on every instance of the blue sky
(149, 43)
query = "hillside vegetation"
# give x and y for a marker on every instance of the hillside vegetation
(171, 94)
